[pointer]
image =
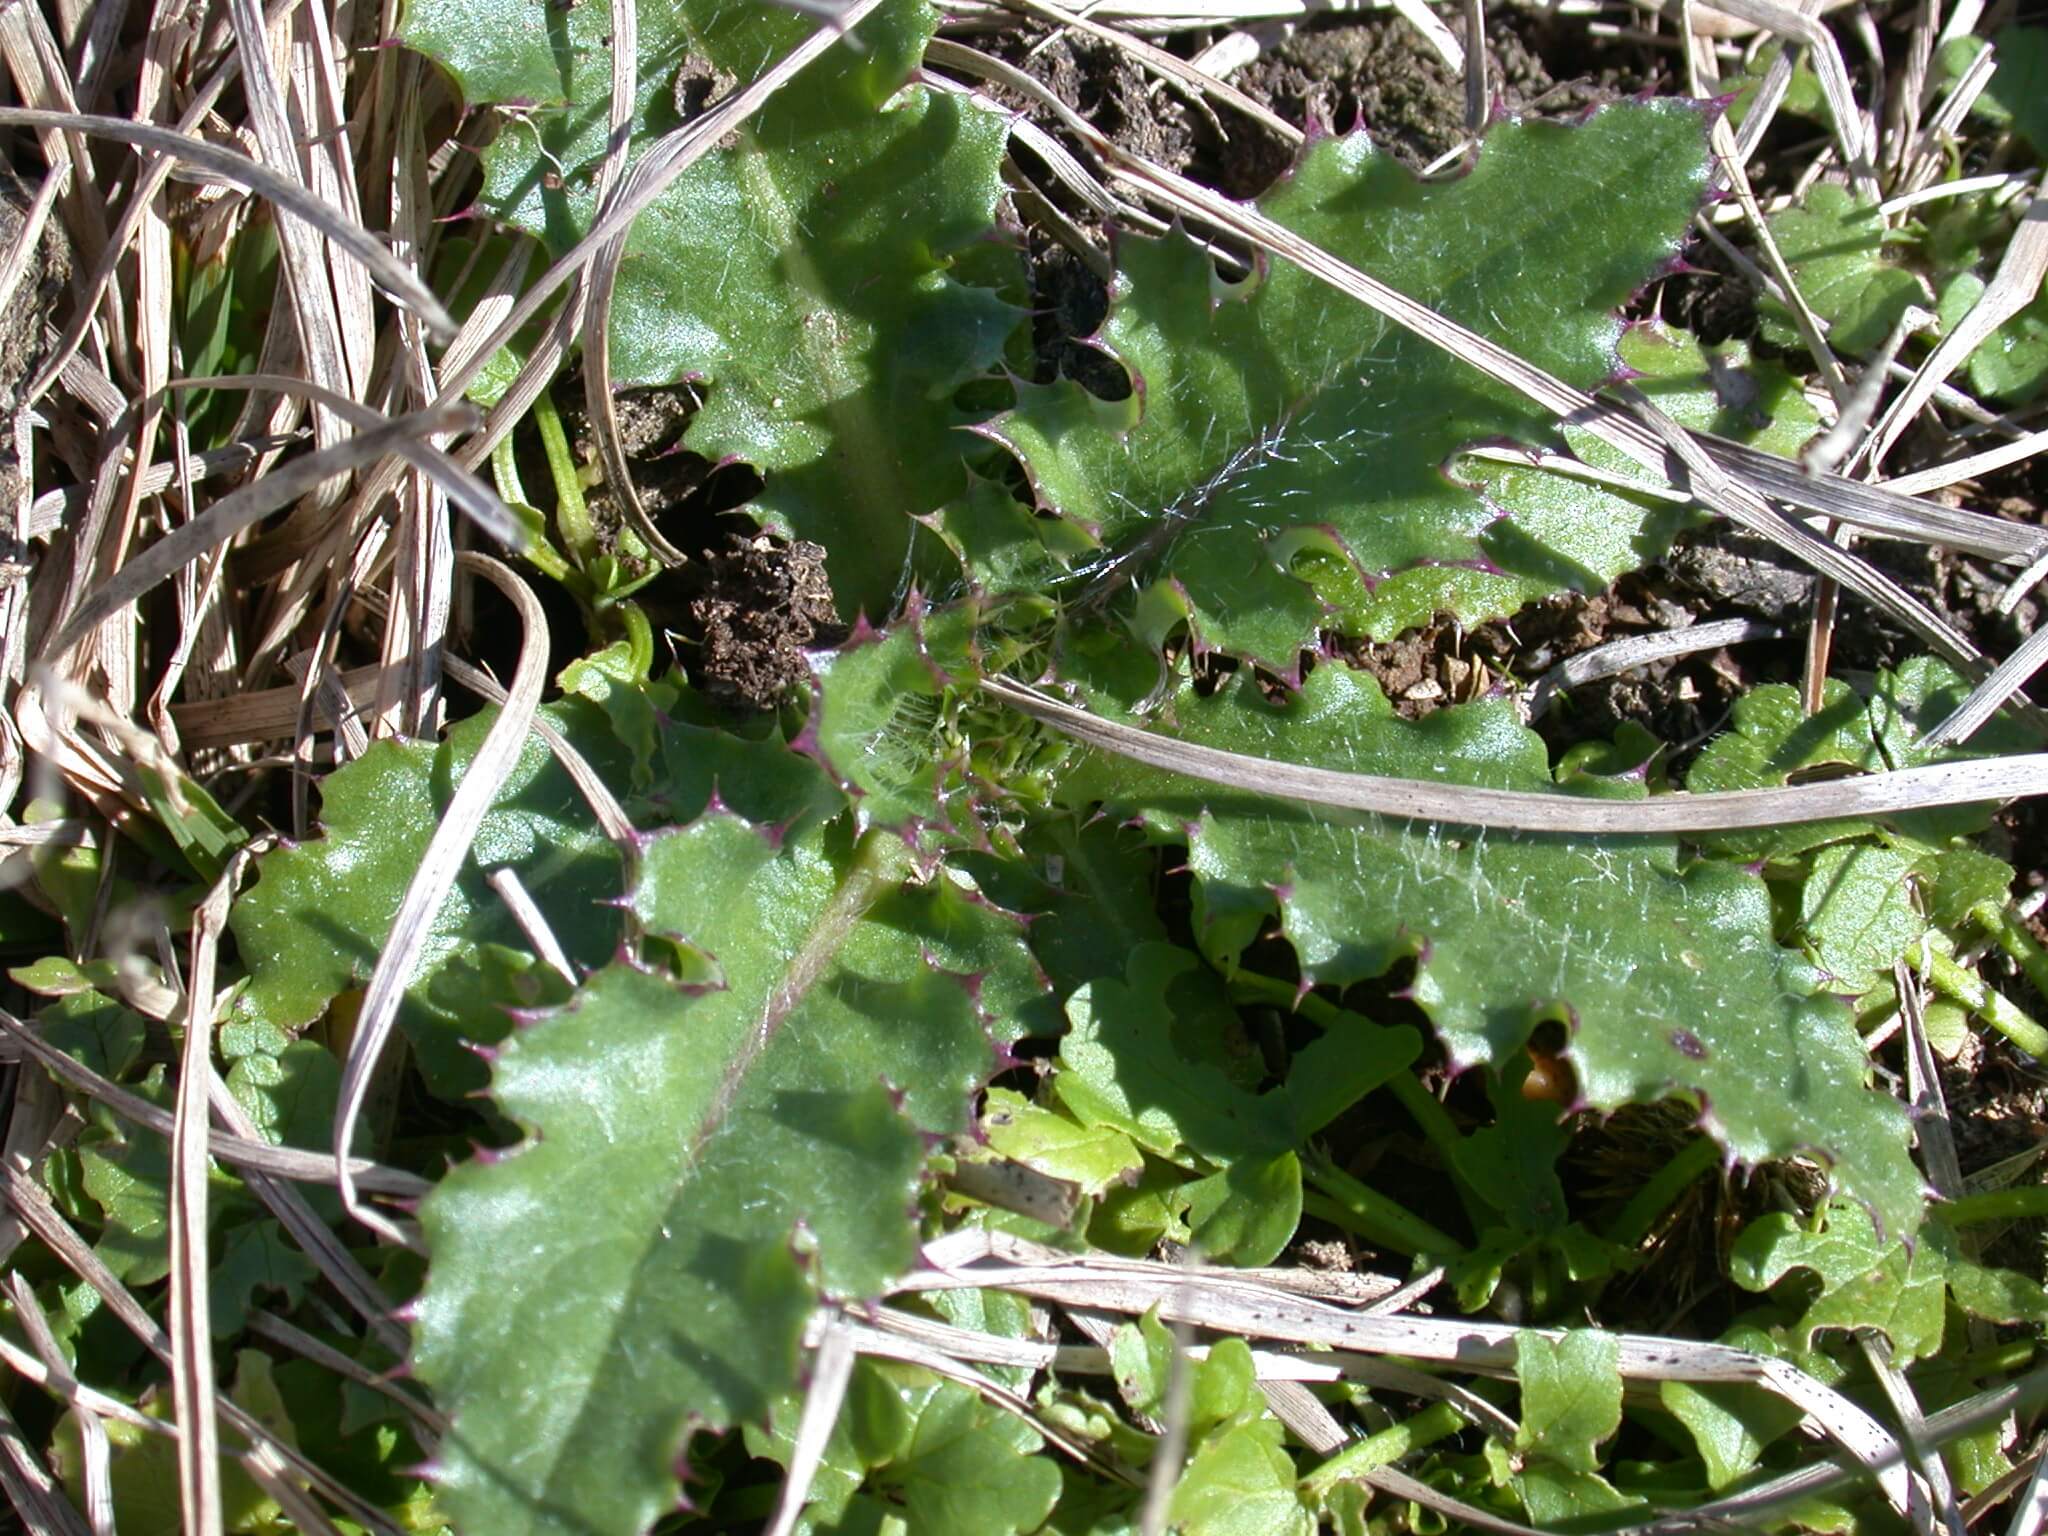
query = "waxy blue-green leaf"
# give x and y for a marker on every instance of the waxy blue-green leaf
(1280, 463)
(1667, 977)
(717, 1139)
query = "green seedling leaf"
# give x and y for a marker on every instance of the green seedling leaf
(927, 1459)
(2017, 94)
(254, 1257)
(143, 1467)
(1731, 1423)
(828, 275)
(720, 1131)
(1241, 1482)
(1667, 977)
(127, 1171)
(95, 1030)
(1571, 1395)
(1279, 464)
(1863, 1281)
(317, 917)
(1094, 1157)
(1156, 1057)
(1835, 243)
(1857, 910)
(2012, 362)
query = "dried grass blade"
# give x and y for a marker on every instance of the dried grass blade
(30, 1488)
(1992, 694)
(287, 194)
(95, 1454)
(192, 1384)
(241, 509)
(241, 1152)
(1883, 794)
(442, 861)
(832, 1358)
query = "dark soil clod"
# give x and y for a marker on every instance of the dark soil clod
(766, 601)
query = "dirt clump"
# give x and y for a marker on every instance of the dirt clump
(766, 601)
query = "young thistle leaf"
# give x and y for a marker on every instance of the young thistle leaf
(1280, 462)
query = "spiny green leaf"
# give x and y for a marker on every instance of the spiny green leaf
(828, 274)
(1278, 465)
(1571, 1395)
(1668, 977)
(1865, 1281)
(319, 913)
(709, 1153)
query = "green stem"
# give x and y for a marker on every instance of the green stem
(1430, 1117)
(539, 552)
(2011, 935)
(1433, 1423)
(1986, 1002)
(571, 515)
(2026, 1202)
(1338, 1198)
(1656, 1196)
(639, 638)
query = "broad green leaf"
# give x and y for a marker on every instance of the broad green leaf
(1554, 1495)
(709, 1152)
(1864, 1280)
(2012, 362)
(143, 1467)
(1094, 1157)
(2017, 94)
(254, 1257)
(1835, 244)
(1156, 1057)
(828, 274)
(1241, 1482)
(1668, 976)
(127, 1171)
(1857, 910)
(94, 1029)
(1143, 1357)
(1571, 1395)
(1732, 1423)
(317, 917)
(1279, 463)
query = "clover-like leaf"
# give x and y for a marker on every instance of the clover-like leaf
(1835, 243)
(1667, 977)
(716, 1140)
(1279, 463)
(1149, 1056)
(828, 275)
(1571, 1395)
(1864, 1281)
